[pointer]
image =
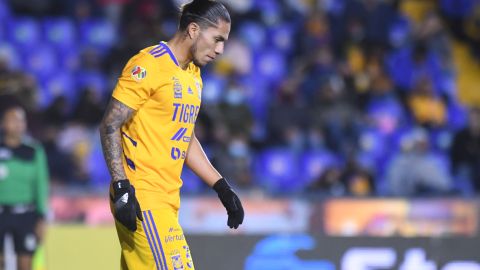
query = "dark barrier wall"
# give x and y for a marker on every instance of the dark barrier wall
(306, 252)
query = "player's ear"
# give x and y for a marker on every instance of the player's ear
(193, 30)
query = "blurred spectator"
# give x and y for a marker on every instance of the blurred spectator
(57, 113)
(383, 107)
(465, 151)
(329, 184)
(427, 108)
(287, 111)
(233, 156)
(432, 32)
(358, 181)
(331, 110)
(60, 164)
(89, 108)
(417, 171)
(234, 111)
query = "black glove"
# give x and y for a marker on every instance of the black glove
(125, 206)
(231, 202)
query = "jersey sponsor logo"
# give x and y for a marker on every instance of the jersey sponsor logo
(177, 88)
(176, 153)
(179, 134)
(173, 238)
(185, 113)
(139, 73)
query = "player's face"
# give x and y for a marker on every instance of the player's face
(210, 43)
(14, 122)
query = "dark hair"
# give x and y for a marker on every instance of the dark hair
(8, 102)
(206, 13)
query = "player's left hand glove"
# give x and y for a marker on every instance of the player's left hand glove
(125, 206)
(231, 202)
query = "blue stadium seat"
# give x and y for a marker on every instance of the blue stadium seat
(457, 115)
(41, 61)
(100, 34)
(60, 32)
(405, 72)
(314, 163)
(24, 32)
(373, 142)
(259, 95)
(277, 170)
(253, 34)
(92, 79)
(5, 11)
(387, 114)
(69, 58)
(270, 64)
(281, 37)
(399, 32)
(63, 84)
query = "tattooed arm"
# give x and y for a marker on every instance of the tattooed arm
(115, 116)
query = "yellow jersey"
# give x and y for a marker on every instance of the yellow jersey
(166, 100)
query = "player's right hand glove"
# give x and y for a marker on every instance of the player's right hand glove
(125, 207)
(231, 202)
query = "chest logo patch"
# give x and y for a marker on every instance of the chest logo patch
(139, 73)
(177, 88)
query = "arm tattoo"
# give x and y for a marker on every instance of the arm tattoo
(115, 116)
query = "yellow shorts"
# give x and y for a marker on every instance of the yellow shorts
(157, 244)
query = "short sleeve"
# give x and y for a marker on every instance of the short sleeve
(134, 85)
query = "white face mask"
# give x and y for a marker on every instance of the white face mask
(238, 149)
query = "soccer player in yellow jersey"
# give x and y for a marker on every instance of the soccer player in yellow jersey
(148, 134)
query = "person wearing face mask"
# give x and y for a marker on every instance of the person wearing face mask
(148, 135)
(23, 185)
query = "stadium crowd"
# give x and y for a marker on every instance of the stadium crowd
(327, 97)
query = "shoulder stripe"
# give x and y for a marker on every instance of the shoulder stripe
(159, 54)
(162, 49)
(157, 51)
(156, 48)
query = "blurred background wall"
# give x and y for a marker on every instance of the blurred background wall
(332, 118)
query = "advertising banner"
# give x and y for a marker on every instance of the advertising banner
(307, 252)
